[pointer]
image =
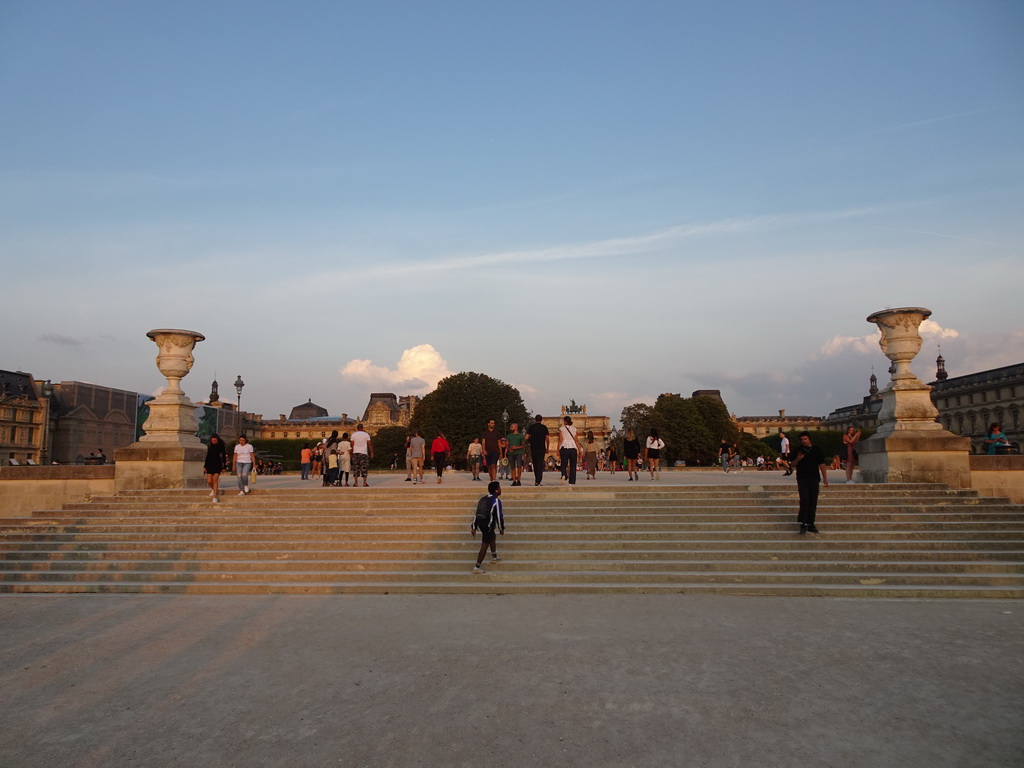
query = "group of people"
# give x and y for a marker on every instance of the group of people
(337, 460)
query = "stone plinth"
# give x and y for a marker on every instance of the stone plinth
(916, 457)
(143, 466)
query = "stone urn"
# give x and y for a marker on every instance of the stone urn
(901, 338)
(174, 360)
(906, 402)
(910, 446)
(171, 414)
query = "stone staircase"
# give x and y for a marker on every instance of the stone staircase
(877, 540)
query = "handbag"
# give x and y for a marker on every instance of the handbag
(252, 476)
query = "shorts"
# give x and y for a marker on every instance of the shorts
(654, 453)
(515, 460)
(492, 458)
(487, 535)
(360, 464)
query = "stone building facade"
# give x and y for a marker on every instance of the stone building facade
(763, 426)
(968, 404)
(87, 417)
(23, 419)
(310, 421)
(862, 415)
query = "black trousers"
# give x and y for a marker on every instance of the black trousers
(537, 457)
(439, 461)
(569, 459)
(808, 490)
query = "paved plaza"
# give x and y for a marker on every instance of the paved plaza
(560, 680)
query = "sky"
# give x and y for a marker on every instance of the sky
(592, 201)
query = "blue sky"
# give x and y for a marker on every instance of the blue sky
(591, 200)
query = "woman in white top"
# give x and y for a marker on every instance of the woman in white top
(242, 462)
(344, 459)
(569, 449)
(652, 454)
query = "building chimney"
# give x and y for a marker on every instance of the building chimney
(782, 413)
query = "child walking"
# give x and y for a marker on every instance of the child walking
(488, 520)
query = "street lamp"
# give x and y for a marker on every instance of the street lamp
(238, 388)
(504, 418)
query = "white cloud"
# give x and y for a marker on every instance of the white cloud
(418, 371)
(932, 330)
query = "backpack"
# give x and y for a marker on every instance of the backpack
(483, 514)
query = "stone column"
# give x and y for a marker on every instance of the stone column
(910, 445)
(169, 455)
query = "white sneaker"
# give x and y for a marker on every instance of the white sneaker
(851, 482)
(478, 569)
(241, 493)
(246, 489)
(216, 501)
(212, 495)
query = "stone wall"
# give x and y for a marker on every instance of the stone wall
(998, 476)
(25, 489)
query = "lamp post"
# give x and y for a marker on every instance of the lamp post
(504, 419)
(238, 388)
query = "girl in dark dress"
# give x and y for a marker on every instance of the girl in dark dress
(216, 460)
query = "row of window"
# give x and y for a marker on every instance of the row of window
(993, 395)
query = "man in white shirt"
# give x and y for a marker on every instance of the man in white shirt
(784, 453)
(362, 452)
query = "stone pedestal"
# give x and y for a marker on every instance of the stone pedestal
(169, 455)
(910, 445)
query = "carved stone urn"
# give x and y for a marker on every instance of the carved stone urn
(906, 402)
(171, 414)
(910, 446)
(174, 360)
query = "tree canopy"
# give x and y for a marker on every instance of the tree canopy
(461, 405)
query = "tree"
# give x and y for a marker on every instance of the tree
(639, 417)
(718, 425)
(387, 443)
(680, 426)
(461, 405)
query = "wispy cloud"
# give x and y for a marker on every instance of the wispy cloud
(56, 338)
(624, 246)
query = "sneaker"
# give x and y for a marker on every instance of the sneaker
(812, 529)
(851, 482)
(215, 500)
(241, 493)
(478, 569)
(408, 479)
(803, 528)
(495, 559)
(246, 490)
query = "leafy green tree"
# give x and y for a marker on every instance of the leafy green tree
(679, 425)
(461, 405)
(640, 418)
(717, 425)
(752, 447)
(388, 443)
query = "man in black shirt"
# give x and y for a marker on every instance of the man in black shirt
(809, 461)
(537, 435)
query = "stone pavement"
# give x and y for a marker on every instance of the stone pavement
(560, 680)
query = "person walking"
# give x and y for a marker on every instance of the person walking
(362, 452)
(216, 462)
(611, 458)
(783, 460)
(515, 451)
(305, 461)
(242, 462)
(590, 455)
(408, 460)
(723, 454)
(474, 456)
(652, 452)
(488, 520)
(418, 450)
(537, 434)
(439, 450)
(850, 440)
(631, 450)
(491, 441)
(569, 448)
(809, 462)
